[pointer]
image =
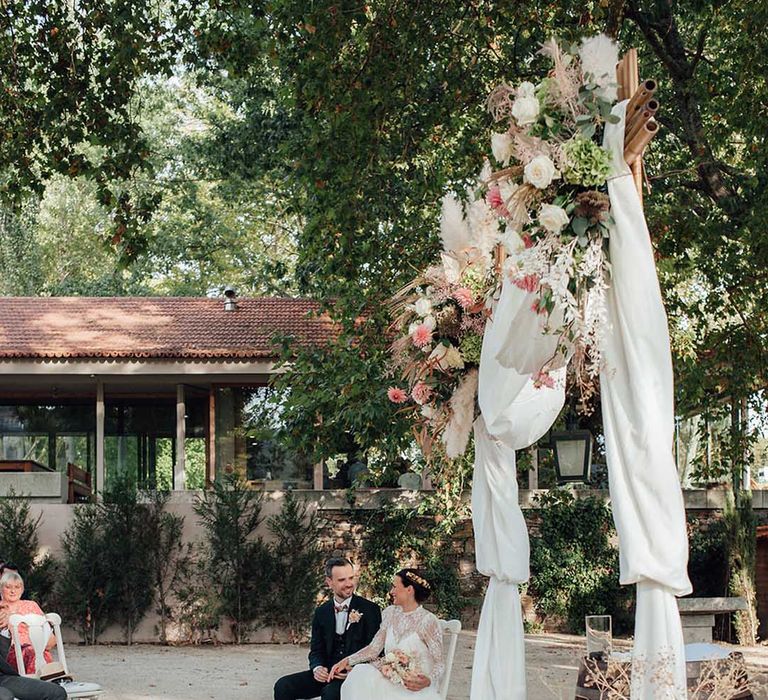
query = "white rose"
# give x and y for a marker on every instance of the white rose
(526, 89)
(423, 306)
(501, 145)
(429, 322)
(540, 172)
(553, 218)
(511, 241)
(525, 110)
(447, 356)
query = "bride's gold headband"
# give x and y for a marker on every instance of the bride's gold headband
(417, 579)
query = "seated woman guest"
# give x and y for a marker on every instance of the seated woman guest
(11, 590)
(412, 639)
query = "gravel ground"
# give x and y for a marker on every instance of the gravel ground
(146, 672)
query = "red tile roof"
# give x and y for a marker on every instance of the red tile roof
(184, 328)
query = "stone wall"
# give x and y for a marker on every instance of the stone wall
(343, 530)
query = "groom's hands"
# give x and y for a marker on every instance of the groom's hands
(416, 681)
(321, 674)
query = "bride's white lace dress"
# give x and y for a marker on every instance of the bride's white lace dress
(417, 633)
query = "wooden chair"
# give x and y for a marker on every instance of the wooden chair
(39, 628)
(79, 482)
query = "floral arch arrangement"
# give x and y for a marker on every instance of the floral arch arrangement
(538, 216)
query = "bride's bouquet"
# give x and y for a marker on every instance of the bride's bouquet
(397, 665)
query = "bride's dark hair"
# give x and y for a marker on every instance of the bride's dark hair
(421, 587)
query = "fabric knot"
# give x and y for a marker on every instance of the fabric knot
(341, 608)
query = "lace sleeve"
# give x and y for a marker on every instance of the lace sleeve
(432, 635)
(370, 652)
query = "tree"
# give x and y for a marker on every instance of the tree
(83, 592)
(297, 560)
(69, 70)
(230, 514)
(370, 112)
(19, 545)
(130, 531)
(173, 561)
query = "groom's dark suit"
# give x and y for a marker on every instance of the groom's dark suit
(328, 648)
(14, 686)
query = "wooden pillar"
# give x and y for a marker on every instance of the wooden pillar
(181, 435)
(100, 475)
(211, 453)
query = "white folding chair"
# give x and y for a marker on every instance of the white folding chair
(451, 629)
(39, 628)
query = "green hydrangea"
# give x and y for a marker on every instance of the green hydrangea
(587, 164)
(473, 279)
(470, 346)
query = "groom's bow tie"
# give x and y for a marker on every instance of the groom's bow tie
(341, 608)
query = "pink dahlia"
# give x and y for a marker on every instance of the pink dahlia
(422, 335)
(396, 395)
(527, 240)
(495, 201)
(421, 393)
(529, 283)
(543, 378)
(464, 297)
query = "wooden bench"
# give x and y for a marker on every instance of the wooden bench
(79, 490)
(698, 615)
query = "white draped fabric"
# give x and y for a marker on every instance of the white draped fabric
(637, 405)
(502, 553)
(514, 415)
(636, 390)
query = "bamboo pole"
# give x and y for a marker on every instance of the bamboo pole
(500, 255)
(639, 119)
(644, 93)
(633, 151)
(633, 82)
(622, 80)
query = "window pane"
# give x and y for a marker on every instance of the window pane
(49, 434)
(194, 469)
(247, 438)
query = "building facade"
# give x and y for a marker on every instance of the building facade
(168, 391)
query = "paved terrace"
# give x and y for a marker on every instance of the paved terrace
(145, 672)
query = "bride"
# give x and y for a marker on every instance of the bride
(405, 627)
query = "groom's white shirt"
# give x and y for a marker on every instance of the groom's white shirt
(342, 617)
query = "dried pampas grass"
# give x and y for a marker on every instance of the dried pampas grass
(599, 56)
(462, 407)
(454, 229)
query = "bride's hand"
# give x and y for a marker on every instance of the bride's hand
(340, 670)
(417, 681)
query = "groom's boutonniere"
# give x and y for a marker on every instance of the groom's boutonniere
(354, 616)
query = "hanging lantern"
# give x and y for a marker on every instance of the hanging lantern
(573, 455)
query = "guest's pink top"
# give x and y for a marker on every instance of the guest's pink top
(24, 607)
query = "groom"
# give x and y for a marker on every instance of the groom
(340, 627)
